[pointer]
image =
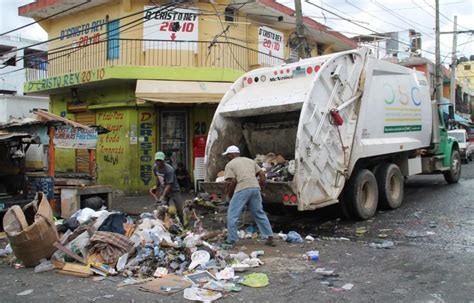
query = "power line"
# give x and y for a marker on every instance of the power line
(398, 16)
(75, 49)
(82, 30)
(443, 15)
(224, 31)
(45, 18)
(364, 27)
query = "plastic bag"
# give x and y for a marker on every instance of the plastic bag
(294, 237)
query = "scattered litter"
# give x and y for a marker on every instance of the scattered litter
(294, 237)
(25, 292)
(200, 277)
(101, 297)
(44, 265)
(7, 251)
(199, 257)
(226, 274)
(382, 236)
(203, 295)
(313, 255)
(309, 238)
(337, 239)
(360, 231)
(433, 224)
(417, 214)
(122, 261)
(167, 285)
(416, 234)
(256, 253)
(347, 286)
(282, 236)
(255, 280)
(383, 244)
(160, 272)
(323, 271)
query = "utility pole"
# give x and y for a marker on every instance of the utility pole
(300, 30)
(452, 87)
(438, 77)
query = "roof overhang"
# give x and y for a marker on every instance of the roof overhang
(268, 11)
(183, 92)
(46, 8)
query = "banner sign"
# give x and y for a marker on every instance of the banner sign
(170, 25)
(75, 138)
(270, 42)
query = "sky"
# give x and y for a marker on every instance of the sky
(377, 15)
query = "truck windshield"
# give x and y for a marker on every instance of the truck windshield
(458, 136)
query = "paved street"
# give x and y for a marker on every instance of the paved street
(432, 260)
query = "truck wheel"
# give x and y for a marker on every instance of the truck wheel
(345, 206)
(454, 173)
(391, 186)
(362, 193)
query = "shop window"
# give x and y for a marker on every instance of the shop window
(173, 141)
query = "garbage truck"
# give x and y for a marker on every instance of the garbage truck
(355, 126)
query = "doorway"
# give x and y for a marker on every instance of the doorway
(173, 136)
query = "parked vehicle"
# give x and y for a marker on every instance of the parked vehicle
(466, 148)
(355, 125)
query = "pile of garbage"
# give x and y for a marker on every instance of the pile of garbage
(276, 167)
(155, 251)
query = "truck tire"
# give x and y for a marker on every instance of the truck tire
(345, 206)
(391, 186)
(362, 194)
(454, 173)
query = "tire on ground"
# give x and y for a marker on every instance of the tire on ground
(454, 173)
(362, 194)
(391, 186)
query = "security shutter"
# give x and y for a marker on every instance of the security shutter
(82, 155)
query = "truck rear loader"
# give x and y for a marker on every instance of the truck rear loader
(355, 126)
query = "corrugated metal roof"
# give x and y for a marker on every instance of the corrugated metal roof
(50, 117)
(43, 118)
(4, 136)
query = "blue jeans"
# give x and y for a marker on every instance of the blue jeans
(250, 197)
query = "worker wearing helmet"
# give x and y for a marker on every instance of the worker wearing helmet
(243, 189)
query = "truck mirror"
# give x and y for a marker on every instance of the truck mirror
(451, 111)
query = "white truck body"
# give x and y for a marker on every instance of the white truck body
(386, 109)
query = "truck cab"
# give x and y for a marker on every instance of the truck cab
(466, 148)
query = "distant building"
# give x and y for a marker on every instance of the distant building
(15, 67)
(393, 46)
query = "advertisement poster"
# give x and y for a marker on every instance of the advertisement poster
(76, 138)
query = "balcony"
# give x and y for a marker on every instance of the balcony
(88, 55)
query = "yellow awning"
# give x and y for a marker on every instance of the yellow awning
(181, 91)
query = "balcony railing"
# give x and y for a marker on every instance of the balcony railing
(140, 52)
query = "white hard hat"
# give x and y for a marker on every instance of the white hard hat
(232, 150)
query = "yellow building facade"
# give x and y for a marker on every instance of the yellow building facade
(152, 73)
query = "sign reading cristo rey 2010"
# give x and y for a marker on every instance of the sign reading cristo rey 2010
(66, 80)
(270, 42)
(179, 24)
